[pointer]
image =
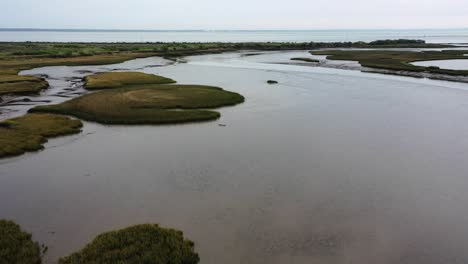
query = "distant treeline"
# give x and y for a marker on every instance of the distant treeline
(397, 42)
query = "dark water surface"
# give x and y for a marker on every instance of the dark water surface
(328, 166)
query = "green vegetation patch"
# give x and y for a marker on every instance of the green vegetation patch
(397, 60)
(305, 59)
(30, 132)
(111, 80)
(17, 84)
(16, 246)
(139, 244)
(147, 104)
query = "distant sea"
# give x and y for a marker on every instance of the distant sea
(66, 35)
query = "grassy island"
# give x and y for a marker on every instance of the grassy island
(397, 60)
(111, 80)
(305, 59)
(16, 84)
(16, 246)
(31, 131)
(147, 104)
(147, 243)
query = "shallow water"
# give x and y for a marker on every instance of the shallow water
(445, 64)
(328, 166)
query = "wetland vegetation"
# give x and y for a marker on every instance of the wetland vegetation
(17, 246)
(10, 83)
(109, 80)
(147, 104)
(146, 243)
(398, 60)
(31, 131)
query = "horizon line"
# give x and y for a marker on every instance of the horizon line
(212, 30)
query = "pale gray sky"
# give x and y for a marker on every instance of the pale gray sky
(234, 14)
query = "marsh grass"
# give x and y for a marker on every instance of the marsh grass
(397, 60)
(138, 244)
(11, 83)
(111, 80)
(16, 246)
(31, 131)
(147, 104)
(19, 84)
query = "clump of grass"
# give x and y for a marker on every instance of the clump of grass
(111, 80)
(147, 104)
(30, 132)
(397, 60)
(16, 246)
(305, 59)
(138, 244)
(16, 84)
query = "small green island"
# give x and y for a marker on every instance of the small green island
(19, 84)
(148, 103)
(31, 131)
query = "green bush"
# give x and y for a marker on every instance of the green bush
(140, 244)
(16, 246)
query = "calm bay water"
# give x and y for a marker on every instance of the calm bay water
(430, 35)
(328, 166)
(445, 64)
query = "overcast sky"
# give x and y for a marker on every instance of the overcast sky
(234, 14)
